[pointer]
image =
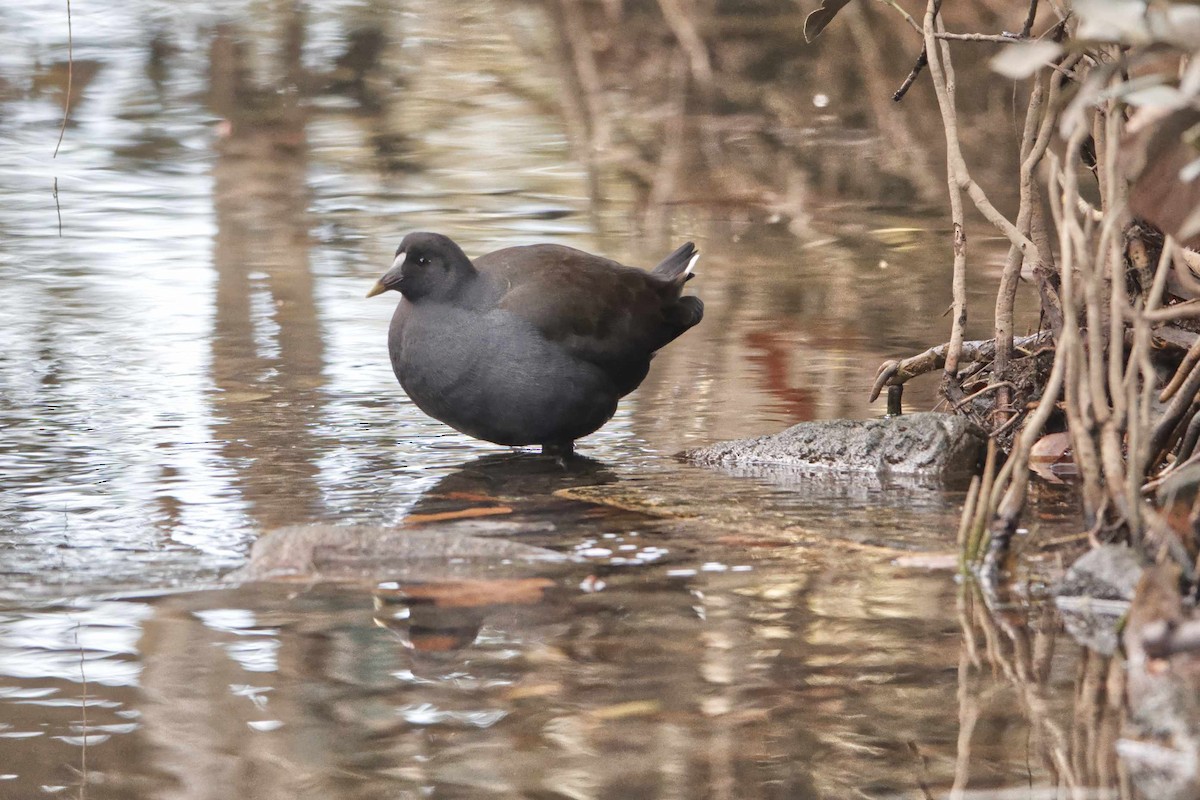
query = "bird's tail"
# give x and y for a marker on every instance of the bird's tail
(681, 262)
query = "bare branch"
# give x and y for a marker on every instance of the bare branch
(895, 373)
(1003, 38)
(1027, 28)
(916, 26)
(67, 102)
(922, 62)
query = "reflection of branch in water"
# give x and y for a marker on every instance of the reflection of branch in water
(581, 102)
(1080, 759)
(671, 161)
(748, 135)
(67, 102)
(587, 74)
(903, 154)
(968, 716)
(83, 720)
(682, 24)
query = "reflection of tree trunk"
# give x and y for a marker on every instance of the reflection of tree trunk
(193, 720)
(201, 706)
(903, 151)
(267, 341)
(582, 103)
(745, 132)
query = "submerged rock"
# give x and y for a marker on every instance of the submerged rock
(926, 446)
(1177, 497)
(1108, 572)
(1160, 742)
(1094, 595)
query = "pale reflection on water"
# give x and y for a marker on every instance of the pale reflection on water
(192, 363)
(817, 682)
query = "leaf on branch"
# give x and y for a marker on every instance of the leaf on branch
(1157, 158)
(1022, 59)
(815, 22)
(1051, 448)
(1051, 455)
(1134, 22)
(1078, 111)
(1160, 96)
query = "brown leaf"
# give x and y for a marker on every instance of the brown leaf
(1157, 158)
(466, 513)
(533, 691)
(930, 561)
(474, 593)
(634, 708)
(1052, 447)
(815, 22)
(743, 540)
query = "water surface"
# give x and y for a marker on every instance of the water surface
(189, 362)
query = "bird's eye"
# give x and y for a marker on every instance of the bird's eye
(422, 260)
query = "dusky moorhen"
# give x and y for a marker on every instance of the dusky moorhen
(529, 345)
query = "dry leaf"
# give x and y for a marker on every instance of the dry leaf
(634, 708)
(1052, 448)
(466, 513)
(474, 593)
(931, 561)
(815, 22)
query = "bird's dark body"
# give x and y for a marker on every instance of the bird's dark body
(530, 345)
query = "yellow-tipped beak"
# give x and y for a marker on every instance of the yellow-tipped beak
(391, 278)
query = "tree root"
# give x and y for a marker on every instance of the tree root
(896, 373)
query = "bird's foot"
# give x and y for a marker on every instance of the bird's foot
(562, 451)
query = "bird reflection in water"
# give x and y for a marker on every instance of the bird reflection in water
(442, 616)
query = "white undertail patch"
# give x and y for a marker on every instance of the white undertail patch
(691, 264)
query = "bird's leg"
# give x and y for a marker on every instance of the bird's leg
(561, 450)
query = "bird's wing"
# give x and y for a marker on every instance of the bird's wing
(597, 309)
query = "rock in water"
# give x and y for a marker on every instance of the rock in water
(928, 446)
(529, 345)
(1093, 597)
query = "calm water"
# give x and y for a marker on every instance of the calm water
(189, 362)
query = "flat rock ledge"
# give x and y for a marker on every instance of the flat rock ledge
(369, 553)
(924, 447)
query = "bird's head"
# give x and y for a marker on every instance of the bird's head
(428, 266)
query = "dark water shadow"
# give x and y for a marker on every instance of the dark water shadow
(528, 480)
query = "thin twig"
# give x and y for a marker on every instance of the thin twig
(1175, 411)
(83, 766)
(976, 536)
(912, 23)
(1004, 38)
(989, 388)
(67, 104)
(1188, 309)
(1027, 28)
(922, 62)
(1063, 191)
(894, 373)
(57, 207)
(1011, 479)
(1013, 420)
(964, 523)
(1006, 294)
